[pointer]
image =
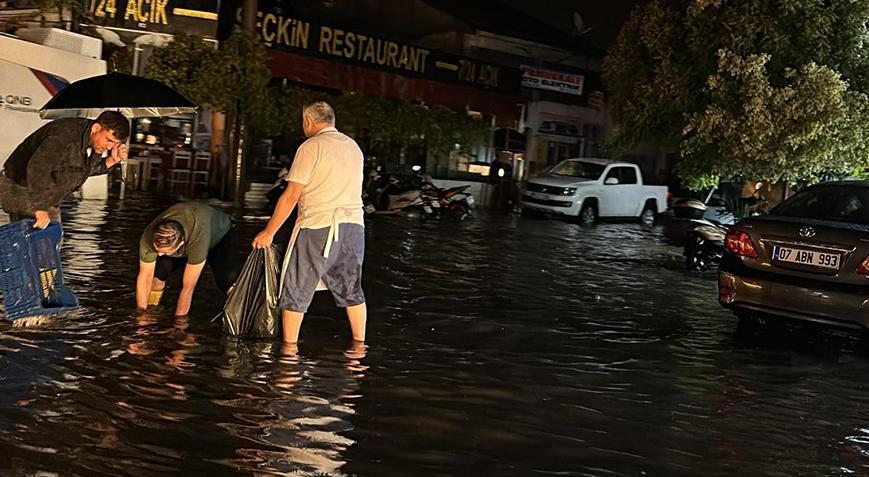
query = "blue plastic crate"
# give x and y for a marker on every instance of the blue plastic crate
(31, 277)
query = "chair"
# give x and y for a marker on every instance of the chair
(199, 178)
(182, 159)
(151, 172)
(179, 180)
(201, 171)
(202, 161)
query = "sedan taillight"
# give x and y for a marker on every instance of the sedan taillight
(863, 269)
(740, 243)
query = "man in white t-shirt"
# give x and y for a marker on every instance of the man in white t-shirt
(328, 242)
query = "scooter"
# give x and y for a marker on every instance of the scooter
(397, 196)
(704, 243)
(455, 201)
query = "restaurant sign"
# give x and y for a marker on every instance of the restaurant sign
(280, 31)
(197, 17)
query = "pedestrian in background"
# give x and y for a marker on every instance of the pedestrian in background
(501, 177)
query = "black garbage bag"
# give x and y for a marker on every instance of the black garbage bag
(251, 309)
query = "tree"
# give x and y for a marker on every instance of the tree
(647, 77)
(765, 90)
(812, 124)
(233, 83)
(58, 13)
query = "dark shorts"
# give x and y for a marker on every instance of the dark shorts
(222, 258)
(15, 199)
(341, 272)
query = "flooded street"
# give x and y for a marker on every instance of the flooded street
(498, 346)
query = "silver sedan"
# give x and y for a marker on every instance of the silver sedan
(807, 259)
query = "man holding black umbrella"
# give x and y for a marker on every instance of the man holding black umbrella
(56, 160)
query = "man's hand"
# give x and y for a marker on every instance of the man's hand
(144, 283)
(188, 285)
(118, 154)
(263, 240)
(42, 219)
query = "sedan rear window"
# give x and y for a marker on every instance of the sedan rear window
(836, 203)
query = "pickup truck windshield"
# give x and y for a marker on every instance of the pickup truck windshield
(584, 170)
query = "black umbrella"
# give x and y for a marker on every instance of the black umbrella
(132, 96)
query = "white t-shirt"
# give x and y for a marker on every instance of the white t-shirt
(329, 166)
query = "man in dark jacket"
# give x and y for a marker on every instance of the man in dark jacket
(56, 160)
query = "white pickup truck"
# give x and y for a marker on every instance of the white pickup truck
(589, 189)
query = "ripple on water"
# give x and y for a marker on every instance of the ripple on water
(497, 346)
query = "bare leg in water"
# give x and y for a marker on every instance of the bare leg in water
(357, 315)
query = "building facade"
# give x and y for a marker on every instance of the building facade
(540, 93)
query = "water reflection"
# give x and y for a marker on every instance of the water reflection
(305, 403)
(498, 346)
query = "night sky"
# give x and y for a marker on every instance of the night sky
(604, 17)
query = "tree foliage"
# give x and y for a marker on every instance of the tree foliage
(387, 120)
(76, 8)
(46, 12)
(234, 79)
(766, 90)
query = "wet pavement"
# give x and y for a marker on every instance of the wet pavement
(497, 346)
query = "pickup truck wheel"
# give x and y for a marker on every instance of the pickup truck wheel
(588, 214)
(647, 218)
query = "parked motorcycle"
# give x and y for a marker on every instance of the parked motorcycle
(415, 194)
(397, 195)
(455, 201)
(704, 243)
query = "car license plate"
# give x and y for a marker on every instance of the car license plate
(806, 257)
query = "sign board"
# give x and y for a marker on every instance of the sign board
(196, 17)
(30, 74)
(539, 78)
(23, 91)
(280, 30)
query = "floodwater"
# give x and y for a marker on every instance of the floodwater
(498, 346)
